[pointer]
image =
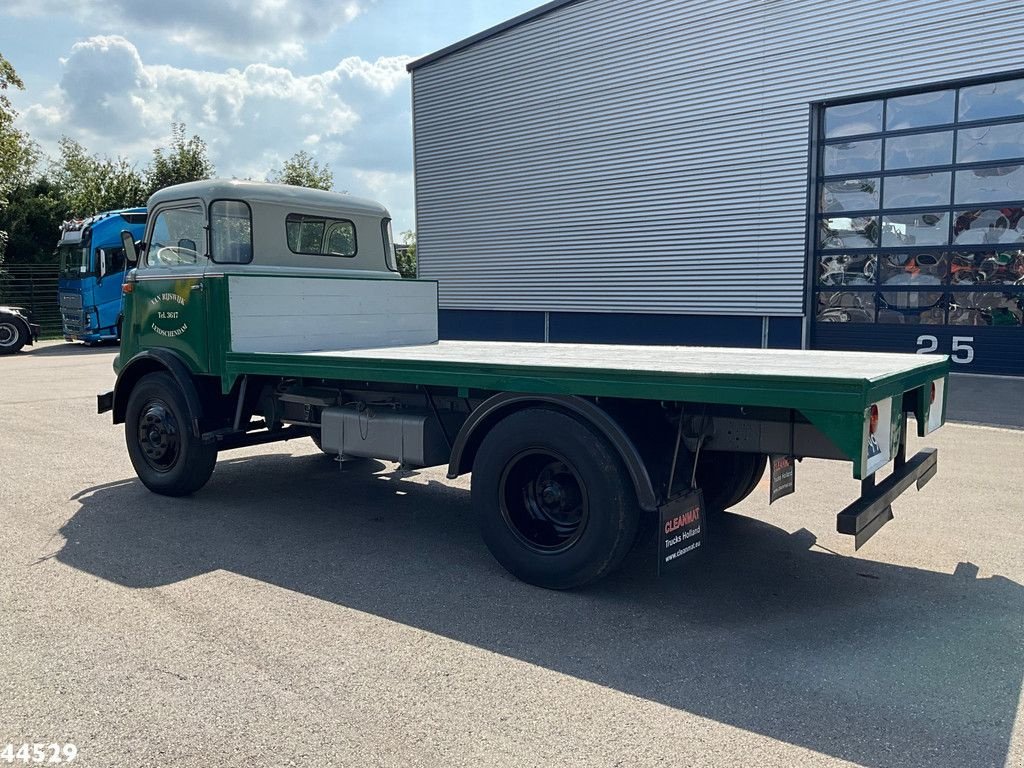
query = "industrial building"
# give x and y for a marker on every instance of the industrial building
(838, 175)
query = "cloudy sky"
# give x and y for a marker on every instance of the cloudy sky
(257, 79)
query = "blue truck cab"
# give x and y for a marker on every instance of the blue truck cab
(92, 270)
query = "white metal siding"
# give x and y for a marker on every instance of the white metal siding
(652, 156)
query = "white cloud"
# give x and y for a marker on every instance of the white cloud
(270, 29)
(354, 117)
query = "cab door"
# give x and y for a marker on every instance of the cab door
(168, 297)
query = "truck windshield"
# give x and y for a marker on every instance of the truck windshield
(74, 261)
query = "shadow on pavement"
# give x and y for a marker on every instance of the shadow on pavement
(993, 401)
(70, 348)
(877, 664)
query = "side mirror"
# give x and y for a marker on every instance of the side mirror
(101, 257)
(128, 243)
(187, 245)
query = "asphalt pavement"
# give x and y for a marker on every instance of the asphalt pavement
(294, 614)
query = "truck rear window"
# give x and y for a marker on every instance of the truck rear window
(320, 236)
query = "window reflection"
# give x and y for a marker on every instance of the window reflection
(913, 268)
(853, 157)
(917, 189)
(846, 307)
(990, 142)
(990, 185)
(846, 232)
(919, 110)
(911, 308)
(853, 119)
(982, 102)
(846, 269)
(910, 229)
(1000, 267)
(849, 195)
(989, 226)
(986, 308)
(918, 150)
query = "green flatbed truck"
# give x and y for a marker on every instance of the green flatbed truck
(258, 313)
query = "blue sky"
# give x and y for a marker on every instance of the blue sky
(258, 79)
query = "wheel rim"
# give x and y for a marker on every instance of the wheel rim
(8, 335)
(158, 435)
(543, 501)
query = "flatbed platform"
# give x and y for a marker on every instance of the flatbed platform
(801, 379)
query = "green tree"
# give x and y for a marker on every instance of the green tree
(302, 170)
(90, 183)
(407, 255)
(184, 160)
(32, 217)
(19, 155)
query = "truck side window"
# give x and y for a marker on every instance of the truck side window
(230, 232)
(319, 236)
(113, 260)
(177, 234)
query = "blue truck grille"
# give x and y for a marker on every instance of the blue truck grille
(71, 312)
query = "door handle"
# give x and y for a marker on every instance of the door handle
(197, 287)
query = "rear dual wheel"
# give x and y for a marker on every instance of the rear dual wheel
(727, 478)
(553, 500)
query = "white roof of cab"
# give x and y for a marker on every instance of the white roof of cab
(260, 191)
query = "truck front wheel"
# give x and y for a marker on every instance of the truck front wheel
(553, 500)
(168, 458)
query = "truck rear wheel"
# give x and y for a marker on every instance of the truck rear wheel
(727, 478)
(553, 500)
(13, 335)
(168, 458)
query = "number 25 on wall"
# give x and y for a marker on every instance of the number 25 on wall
(962, 352)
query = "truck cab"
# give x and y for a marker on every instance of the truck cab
(92, 270)
(203, 236)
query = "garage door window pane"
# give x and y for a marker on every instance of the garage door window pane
(853, 157)
(921, 269)
(989, 226)
(846, 269)
(990, 142)
(987, 308)
(849, 195)
(990, 185)
(919, 110)
(919, 150)
(992, 100)
(917, 189)
(845, 232)
(993, 267)
(915, 229)
(853, 119)
(846, 307)
(911, 308)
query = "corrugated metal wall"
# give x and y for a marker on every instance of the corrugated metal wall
(651, 156)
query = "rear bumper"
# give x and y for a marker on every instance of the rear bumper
(864, 517)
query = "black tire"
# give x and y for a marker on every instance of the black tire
(553, 500)
(727, 478)
(167, 457)
(13, 335)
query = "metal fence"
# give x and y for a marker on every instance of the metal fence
(34, 287)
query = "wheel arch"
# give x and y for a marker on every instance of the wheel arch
(155, 361)
(497, 407)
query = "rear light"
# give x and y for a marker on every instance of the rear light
(873, 424)
(933, 392)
